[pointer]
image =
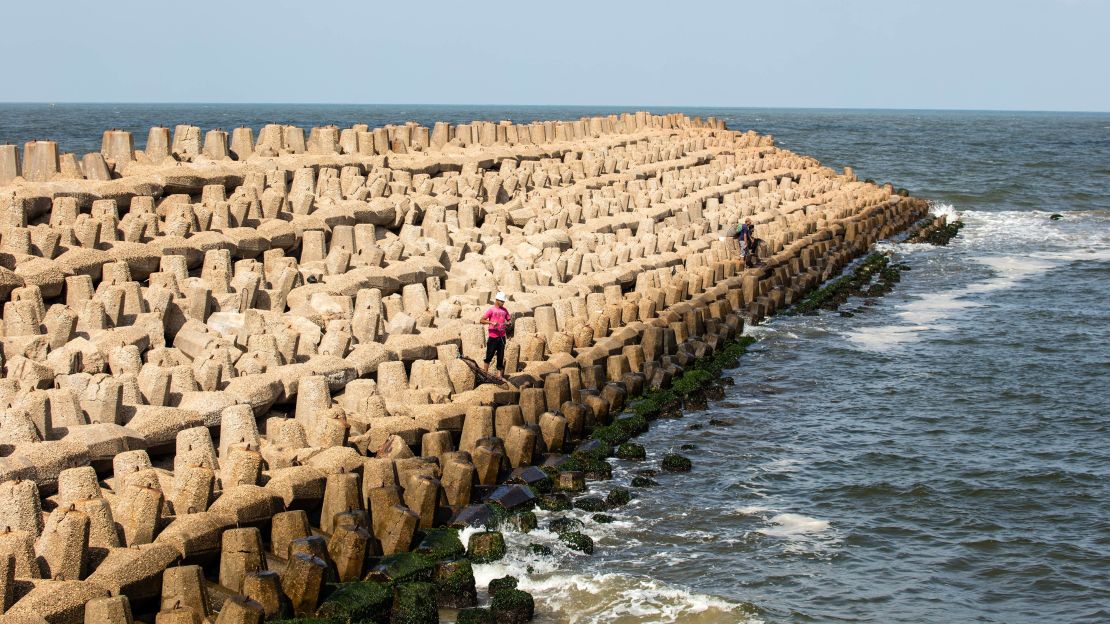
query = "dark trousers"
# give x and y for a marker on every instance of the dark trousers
(496, 347)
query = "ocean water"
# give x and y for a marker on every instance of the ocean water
(941, 456)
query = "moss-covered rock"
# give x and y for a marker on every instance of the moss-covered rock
(403, 568)
(500, 517)
(576, 540)
(610, 434)
(633, 425)
(631, 451)
(486, 546)
(475, 616)
(592, 464)
(442, 544)
(505, 582)
(603, 518)
(673, 462)
(690, 381)
(512, 606)
(454, 581)
(562, 525)
(642, 482)
(524, 521)
(363, 601)
(414, 603)
(590, 503)
(696, 401)
(541, 550)
(618, 497)
(554, 502)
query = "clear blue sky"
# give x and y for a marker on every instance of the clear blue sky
(978, 54)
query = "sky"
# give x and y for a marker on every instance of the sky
(935, 54)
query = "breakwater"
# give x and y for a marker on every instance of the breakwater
(242, 355)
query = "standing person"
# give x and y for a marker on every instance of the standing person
(497, 319)
(747, 240)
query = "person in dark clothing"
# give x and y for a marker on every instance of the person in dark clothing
(748, 243)
(497, 319)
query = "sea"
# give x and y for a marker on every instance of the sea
(940, 455)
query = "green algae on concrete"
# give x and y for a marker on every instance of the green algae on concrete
(502, 583)
(576, 540)
(673, 462)
(403, 568)
(363, 601)
(631, 451)
(441, 544)
(454, 581)
(512, 606)
(414, 603)
(486, 547)
(618, 497)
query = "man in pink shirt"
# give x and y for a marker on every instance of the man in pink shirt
(497, 319)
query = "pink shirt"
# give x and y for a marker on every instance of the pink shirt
(498, 319)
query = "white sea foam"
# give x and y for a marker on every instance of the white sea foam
(990, 233)
(603, 598)
(944, 209)
(781, 465)
(589, 598)
(791, 524)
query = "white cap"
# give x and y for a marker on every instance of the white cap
(500, 297)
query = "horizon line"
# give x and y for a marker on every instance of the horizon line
(628, 108)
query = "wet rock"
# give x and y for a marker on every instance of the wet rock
(576, 540)
(571, 481)
(618, 497)
(640, 481)
(362, 601)
(454, 581)
(696, 401)
(540, 550)
(414, 603)
(486, 546)
(503, 583)
(514, 496)
(512, 606)
(631, 451)
(590, 503)
(441, 544)
(409, 567)
(564, 525)
(673, 462)
(523, 521)
(554, 502)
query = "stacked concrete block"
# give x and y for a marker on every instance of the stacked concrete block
(249, 356)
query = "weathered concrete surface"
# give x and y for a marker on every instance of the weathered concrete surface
(231, 328)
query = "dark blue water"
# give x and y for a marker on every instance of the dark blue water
(942, 456)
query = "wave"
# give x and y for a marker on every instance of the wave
(792, 524)
(990, 240)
